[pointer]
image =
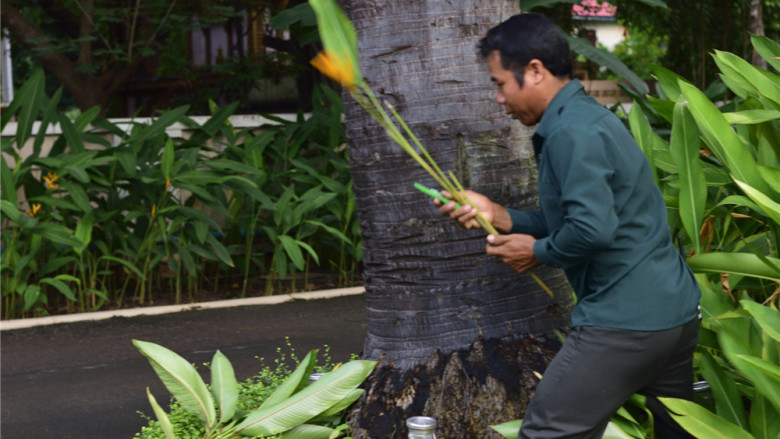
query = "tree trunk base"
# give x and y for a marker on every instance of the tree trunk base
(465, 391)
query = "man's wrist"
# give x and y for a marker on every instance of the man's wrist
(501, 219)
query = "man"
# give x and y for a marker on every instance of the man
(602, 220)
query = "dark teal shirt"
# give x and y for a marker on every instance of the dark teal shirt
(603, 220)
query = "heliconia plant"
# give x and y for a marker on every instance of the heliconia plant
(720, 174)
(296, 409)
(111, 213)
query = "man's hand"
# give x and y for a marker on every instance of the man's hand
(467, 215)
(515, 250)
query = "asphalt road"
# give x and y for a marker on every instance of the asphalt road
(86, 380)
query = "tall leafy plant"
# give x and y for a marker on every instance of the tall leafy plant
(114, 213)
(720, 173)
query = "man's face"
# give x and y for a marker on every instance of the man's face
(520, 102)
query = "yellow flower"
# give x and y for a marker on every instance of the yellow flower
(35, 208)
(167, 183)
(154, 210)
(339, 69)
(50, 179)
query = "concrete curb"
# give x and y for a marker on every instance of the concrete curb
(154, 310)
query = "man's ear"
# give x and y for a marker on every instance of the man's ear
(537, 71)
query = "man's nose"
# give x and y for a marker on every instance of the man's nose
(500, 98)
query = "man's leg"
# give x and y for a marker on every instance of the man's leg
(674, 380)
(595, 372)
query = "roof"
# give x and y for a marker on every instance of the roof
(593, 10)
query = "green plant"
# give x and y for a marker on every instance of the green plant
(638, 51)
(720, 174)
(116, 213)
(294, 409)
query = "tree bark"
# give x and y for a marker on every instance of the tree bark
(457, 332)
(756, 27)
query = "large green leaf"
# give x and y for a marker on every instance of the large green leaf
(722, 139)
(61, 286)
(701, 422)
(767, 318)
(78, 195)
(162, 417)
(293, 251)
(761, 82)
(765, 376)
(309, 402)
(751, 117)
(181, 379)
(614, 432)
(339, 406)
(769, 369)
(608, 60)
(58, 234)
(645, 137)
(72, 135)
(769, 207)
(764, 419)
(770, 175)
(294, 381)
(684, 147)
(159, 125)
(509, 430)
(745, 264)
(668, 82)
(728, 400)
(224, 386)
(166, 163)
(309, 431)
(220, 251)
(48, 117)
(123, 263)
(84, 119)
(30, 96)
(768, 49)
(8, 186)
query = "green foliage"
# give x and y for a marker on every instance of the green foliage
(720, 173)
(632, 421)
(274, 403)
(694, 29)
(115, 208)
(638, 51)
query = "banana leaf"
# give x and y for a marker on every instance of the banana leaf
(308, 403)
(295, 381)
(684, 147)
(745, 264)
(224, 387)
(606, 59)
(181, 379)
(722, 139)
(162, 417)
(701, 422)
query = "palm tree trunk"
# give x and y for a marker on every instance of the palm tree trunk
(456, 331)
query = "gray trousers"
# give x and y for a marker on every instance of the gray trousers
(598, 369)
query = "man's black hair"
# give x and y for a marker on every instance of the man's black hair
(524, 37)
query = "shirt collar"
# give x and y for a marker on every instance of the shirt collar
(553, 111)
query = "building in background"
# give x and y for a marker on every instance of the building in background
(598, 19)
